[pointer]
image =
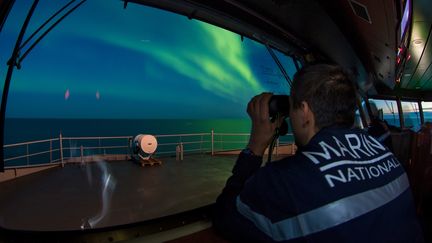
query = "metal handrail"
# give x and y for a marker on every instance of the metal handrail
(165, 144)
(101, 147)
(182, 135)
(31, 142)
(28, 155)
(218, 141)
(95, 138)
(60, 146)
(232, 134)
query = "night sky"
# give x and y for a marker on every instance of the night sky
(104, 61)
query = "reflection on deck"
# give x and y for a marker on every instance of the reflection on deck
(64, 198)
(85, 194)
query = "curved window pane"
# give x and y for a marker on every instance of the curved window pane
(108, 65)
(99, 79)
(427, 111)
(389, 111)
(411, 115)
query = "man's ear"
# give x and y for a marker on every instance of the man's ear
(304, 108)
(307, 115)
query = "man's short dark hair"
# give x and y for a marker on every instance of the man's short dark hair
(330, 92)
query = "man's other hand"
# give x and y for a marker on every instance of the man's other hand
(262, 128)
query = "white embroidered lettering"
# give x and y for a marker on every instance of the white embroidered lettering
(330, 178)
(325, 154)
(352, 174)
(342, 148)
(374, 143)
(355, 146)
(363, 139)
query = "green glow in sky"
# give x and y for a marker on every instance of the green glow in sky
(115, 58)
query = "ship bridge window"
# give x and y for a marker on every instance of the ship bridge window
(388, 111)
(427, 111)
(120, 63)
(411, 115)
(100, 77)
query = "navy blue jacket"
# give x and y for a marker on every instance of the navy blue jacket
(343, 186)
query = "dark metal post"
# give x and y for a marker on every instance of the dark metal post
(420, 108)
(295, 61)
(280, 66)
(47, 31)
(12, 62)
(368, 108)
(45, 23)
(5, 7)
(400, 111)
(361, 111)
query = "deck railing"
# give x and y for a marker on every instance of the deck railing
(65, 149)
(17, 149)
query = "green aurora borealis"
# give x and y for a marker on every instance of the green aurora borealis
(137, 62)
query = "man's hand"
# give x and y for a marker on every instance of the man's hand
(262, 128)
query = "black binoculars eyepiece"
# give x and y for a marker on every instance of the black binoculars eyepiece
(279, 105)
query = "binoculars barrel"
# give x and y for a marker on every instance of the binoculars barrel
(279, 104)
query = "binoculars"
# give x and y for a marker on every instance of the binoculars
(279, 107)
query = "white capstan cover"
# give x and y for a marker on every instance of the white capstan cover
(147, 143)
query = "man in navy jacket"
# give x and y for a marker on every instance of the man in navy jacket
(342, 185)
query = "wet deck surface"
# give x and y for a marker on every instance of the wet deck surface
(71, 197)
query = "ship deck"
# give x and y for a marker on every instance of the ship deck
(69, 198)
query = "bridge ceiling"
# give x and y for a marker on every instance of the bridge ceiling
(296, 27)
(417, 74)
